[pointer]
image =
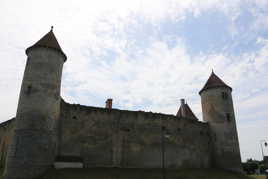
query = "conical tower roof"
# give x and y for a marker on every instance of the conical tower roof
(186, 112)
(50, 41)
(213, 82)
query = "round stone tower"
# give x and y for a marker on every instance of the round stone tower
(34, 142)
(218, 111)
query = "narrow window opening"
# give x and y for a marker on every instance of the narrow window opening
(29, 89)
(125, 129)
(228, 117)
(224, 95)
(74, 117)
(16, 147)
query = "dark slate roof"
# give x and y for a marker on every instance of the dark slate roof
(213, 82)
(188, 112)
(50, 41)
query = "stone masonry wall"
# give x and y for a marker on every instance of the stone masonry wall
(226, 152)
(131, 139)
(6, 132)
(120, 138)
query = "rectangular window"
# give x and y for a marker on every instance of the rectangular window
(29, 89)
(224, 95)
(228, 117)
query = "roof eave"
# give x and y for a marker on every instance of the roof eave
(43, 46)
(216, 86)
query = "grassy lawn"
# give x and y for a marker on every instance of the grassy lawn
(117, 173)
(258, 176)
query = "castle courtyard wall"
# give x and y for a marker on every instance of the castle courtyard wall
(103, 137)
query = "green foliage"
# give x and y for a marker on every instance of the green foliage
(251, 166)
(117, 173)
(263, 167)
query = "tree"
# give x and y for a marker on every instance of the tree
(250, 166)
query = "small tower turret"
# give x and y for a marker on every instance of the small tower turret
(34, 143)
(185, 111)
(218, 111)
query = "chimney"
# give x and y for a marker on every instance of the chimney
(182, 102)
(183, 114)
(109, 103)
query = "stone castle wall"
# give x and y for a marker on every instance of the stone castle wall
(132, 139)
(103, 137)
(6, 132)
(33, 145)
(219, 113)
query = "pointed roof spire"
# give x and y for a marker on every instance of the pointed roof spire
(185, 111)
(50, 41)
(213, 82)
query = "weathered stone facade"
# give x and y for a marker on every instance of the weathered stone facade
(6, 132)
(47, 129)
(132, 139)
(218, 112)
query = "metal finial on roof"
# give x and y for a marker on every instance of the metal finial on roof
(212, 70)
(48, 41)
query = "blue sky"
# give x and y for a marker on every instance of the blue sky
(146, 54)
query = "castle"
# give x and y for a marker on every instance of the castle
(48, 131)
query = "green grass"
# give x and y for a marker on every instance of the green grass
(258, 176)
(117, 173)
